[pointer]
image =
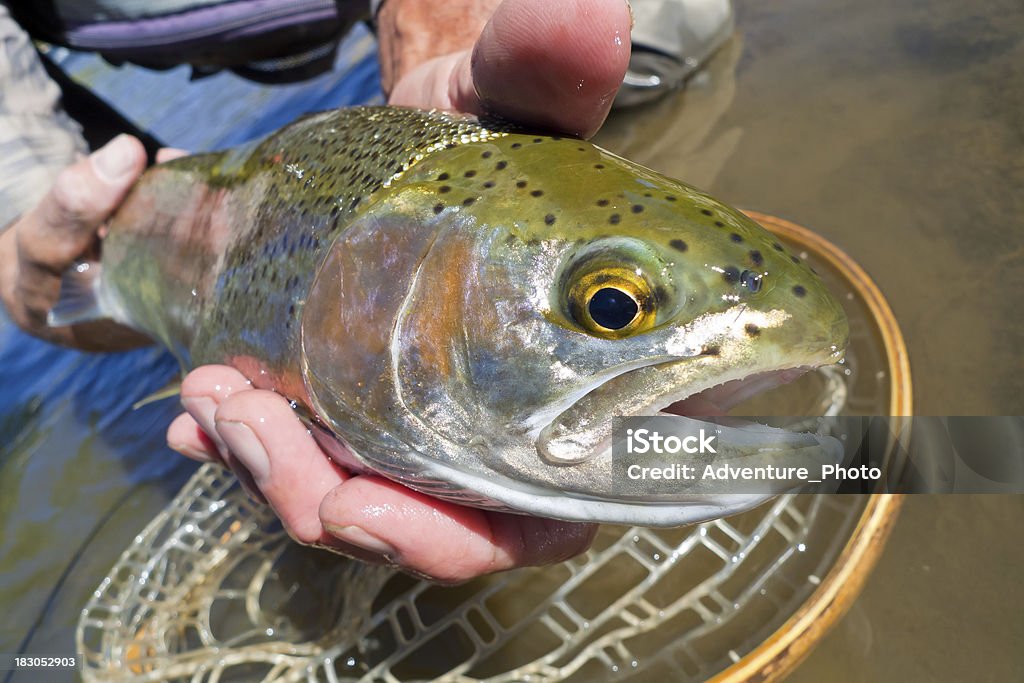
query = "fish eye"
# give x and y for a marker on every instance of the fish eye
(612, 308)
(612, 302)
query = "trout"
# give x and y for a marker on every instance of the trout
(464, 306)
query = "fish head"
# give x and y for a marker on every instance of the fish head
(563, 286)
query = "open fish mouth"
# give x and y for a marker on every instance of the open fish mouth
(720, 399)
(672, 389)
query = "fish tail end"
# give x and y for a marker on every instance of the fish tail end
(78, 300)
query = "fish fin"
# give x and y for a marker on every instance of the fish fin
(78, 302)
(173, 388)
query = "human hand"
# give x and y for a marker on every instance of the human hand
(554, 65)
(61, 230)
(258, 435)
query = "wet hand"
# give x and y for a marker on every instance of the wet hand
(552, 65)
(258, 435)
(61, 230)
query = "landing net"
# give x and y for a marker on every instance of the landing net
(213, 590)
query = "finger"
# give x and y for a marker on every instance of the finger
(264, 434)
(186, 437)
(63, 225)
(202, 392)
(442, 540)
(556, 65)
(165, 154)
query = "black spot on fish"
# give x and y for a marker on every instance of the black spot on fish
(660, 294)
(735, 237)
(752, 330)
(489, 184)
(711, 351)
(516, 145)
(500, 166)
(799, 290)
(794, 259)
(520, 184)
(486, 155)
(602, 202)
(755, 257)
(581, 149)
(468, 201)
(444, 189)
(731, 274)
(777, 247)
(443, 176)
(678, 245)
(556, 138)
(719, 224)
(549, 219)
(648, 194)
(707, 212)
(614, 219)
(670, 197)
(637, 208)
(537, 193)
(469, 174)
(536, 140)
(599, 166)
(438, 208)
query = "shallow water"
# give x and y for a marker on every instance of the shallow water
(897, 131)
(894, 129)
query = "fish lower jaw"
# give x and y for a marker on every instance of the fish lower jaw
(565, 495)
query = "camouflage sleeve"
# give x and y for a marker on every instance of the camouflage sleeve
(37, 139)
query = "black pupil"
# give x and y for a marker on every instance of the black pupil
(612, 308)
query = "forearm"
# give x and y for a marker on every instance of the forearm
(37, 139)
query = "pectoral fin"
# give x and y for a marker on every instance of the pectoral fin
(78, 301)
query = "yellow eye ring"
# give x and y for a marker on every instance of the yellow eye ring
(612, 303)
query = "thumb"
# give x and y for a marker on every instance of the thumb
(556, 65)
(84, 195)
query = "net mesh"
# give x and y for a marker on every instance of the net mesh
(213, 590)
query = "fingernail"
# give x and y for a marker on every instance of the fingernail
(246, 447)
(202, 409)
(190, 452)
(361, 538)
(115, 160)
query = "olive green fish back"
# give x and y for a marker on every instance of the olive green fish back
(279, 203)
